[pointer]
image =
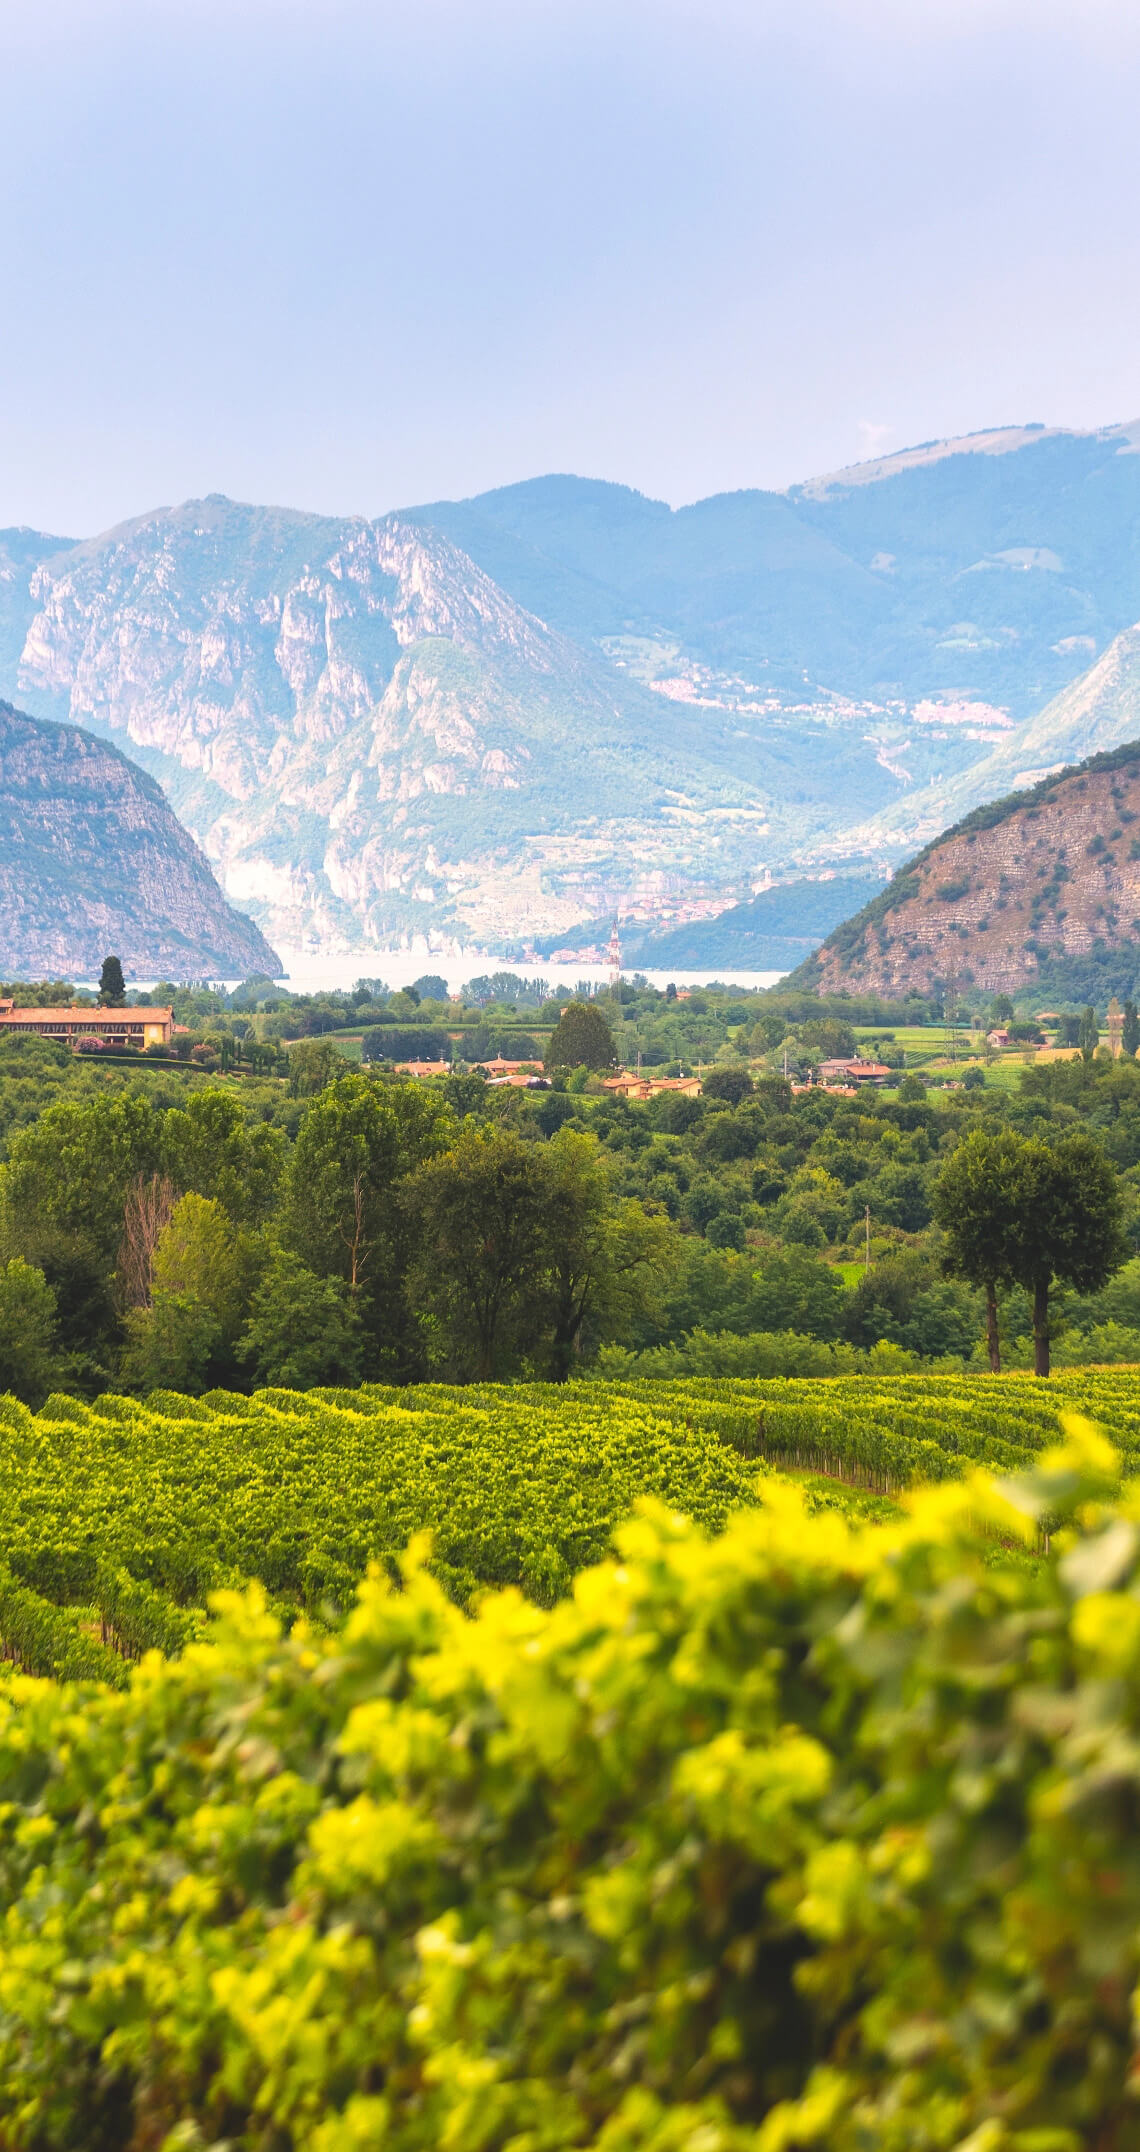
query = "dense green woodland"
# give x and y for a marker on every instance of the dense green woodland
(191, 1227)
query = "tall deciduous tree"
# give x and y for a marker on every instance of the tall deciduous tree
(358, 1140)
(62, 1199)
(209, 1146)
(1030, 1212)
(1088, 1034)
(302, 1329)
(1070, 1228)
(605, 1262)
(28, 1337)
(580, 1039)
(480, 1211)
(147, 1212)
(978, 1200)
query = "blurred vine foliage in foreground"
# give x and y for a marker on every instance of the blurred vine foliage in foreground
(814, 1833)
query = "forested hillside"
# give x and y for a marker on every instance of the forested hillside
(260, 1213)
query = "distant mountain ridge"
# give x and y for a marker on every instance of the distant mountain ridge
(500, 718)
(92, 861)
(773, 931)
(1099, 712)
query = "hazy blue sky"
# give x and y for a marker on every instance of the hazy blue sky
(350, 255)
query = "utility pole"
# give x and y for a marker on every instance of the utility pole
(867, 1221)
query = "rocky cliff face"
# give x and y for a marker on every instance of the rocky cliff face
(1049, 872)
(367, 735)
(93, 860)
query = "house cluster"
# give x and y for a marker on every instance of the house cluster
(518, 1075)
(630, 1083)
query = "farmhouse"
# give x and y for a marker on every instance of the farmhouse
(107, 1027)
(856, 1071)
(627, 1085)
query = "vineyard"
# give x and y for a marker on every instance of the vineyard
(817, 1833)
(119, 1519)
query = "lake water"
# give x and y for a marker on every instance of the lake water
(315, 971)
(311, 971)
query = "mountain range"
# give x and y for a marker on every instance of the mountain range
(500, 718)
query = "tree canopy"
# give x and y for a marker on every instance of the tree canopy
(581, 1039)
(1028, 1211)
(112, 985)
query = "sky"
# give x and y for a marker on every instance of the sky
(351, 255)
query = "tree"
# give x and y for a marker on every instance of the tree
(358, 1140)
(147, 1212)
(209, 1146)
(302, 1330)
(201, 1274)
(480, 1213)
(1001, 1009)
(1088, 1035)
(1025, 1211)
(171, 1345)
(580, 1039)
(338, 1196)
(28, 1332)
(1071, 1228)
(606, 1262)
(828, 1038)
(313, 1063)
(202, 1253)
(112, 985)
(794, 1291)
(728, 1083)
(979, 1199)
(1130, 1031)
(63, 1196)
